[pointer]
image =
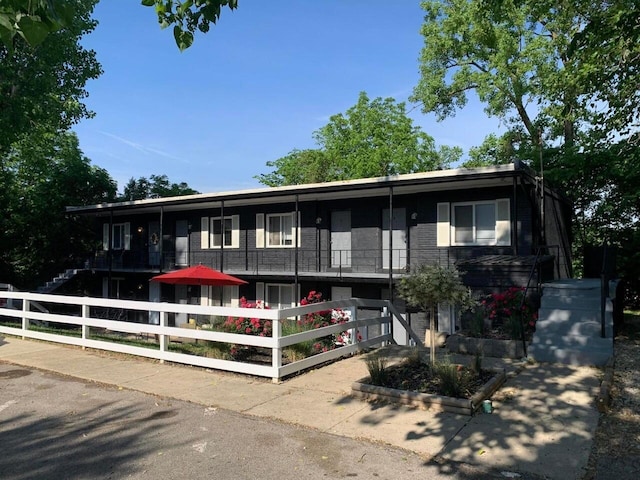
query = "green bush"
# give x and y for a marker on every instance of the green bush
(377, 367)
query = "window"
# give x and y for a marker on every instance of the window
(218, 232)
(280, 230)
(279, 296)
(120, 236)
(474, 223)
(221, 232)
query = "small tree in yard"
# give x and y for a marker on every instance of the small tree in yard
(430, 285)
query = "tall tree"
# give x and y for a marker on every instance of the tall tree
(157, 186)
(44, 173)
(373, 138)
(45, 85)
(529, 61)
(41, 167)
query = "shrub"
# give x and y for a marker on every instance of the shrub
(311, 321)
(377, 367)
(249, 326)
(507, 311)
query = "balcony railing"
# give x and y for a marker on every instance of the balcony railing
(289, 261)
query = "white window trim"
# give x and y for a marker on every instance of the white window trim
(206, 232)
(126, 236)
(502, 225)
(267, 237)
(235, 231)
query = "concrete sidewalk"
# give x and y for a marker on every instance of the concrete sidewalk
(543, 423)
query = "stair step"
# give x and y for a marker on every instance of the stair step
(557, 315)
(567, 356)
(590, 329)
(570, 302)
(573, 341)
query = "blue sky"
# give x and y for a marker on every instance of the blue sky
(255, 87)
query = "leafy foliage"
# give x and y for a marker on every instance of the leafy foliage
(188, 16)
(43, 174)
(44, 86)
(429, 285)
(156, 186)
(538, 66)
(507, 312)
(374, 138)
(34, 20)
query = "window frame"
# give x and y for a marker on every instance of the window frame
(267, 230)
(123, 239)
(223, 231)
(474, 224)
(280, 286)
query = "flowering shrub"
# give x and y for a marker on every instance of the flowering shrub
(324, 318)
(507, 311)
(311, 321)
(249, 326)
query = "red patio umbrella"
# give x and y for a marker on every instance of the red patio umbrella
(198, 275)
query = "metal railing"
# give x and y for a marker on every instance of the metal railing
(86, 316)
(257, 261)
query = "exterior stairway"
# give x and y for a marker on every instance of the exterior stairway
(568, 329)
(59, 280)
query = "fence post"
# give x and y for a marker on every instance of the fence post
(85, 328)
(386, 326)
(353, 332)
(276, 351)
(163, 337)
(25, 318)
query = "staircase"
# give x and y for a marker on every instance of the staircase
(568, 329)
(58, 281)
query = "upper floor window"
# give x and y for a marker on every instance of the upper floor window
(280, 230)
(474, 223)
(218, 232)
(120, 236)
(222, 232)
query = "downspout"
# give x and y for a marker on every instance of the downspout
(296, 240)
(391, 244)
(222, 226)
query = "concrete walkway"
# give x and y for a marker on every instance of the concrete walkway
(543, 423)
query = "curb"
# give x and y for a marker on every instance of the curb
(603, 400)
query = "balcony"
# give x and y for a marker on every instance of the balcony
(336, 263)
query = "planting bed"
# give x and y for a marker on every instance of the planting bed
(465, 406)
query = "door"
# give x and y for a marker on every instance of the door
(153, 243)
(182, 243)
(398, 239)
(341, 238)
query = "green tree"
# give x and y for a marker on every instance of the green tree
(43, 173)
(530, 62)
(430, 285)
(373, 138)
(45, 85)
(157, 186)
(34, 20)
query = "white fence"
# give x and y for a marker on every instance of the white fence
(18, 318)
